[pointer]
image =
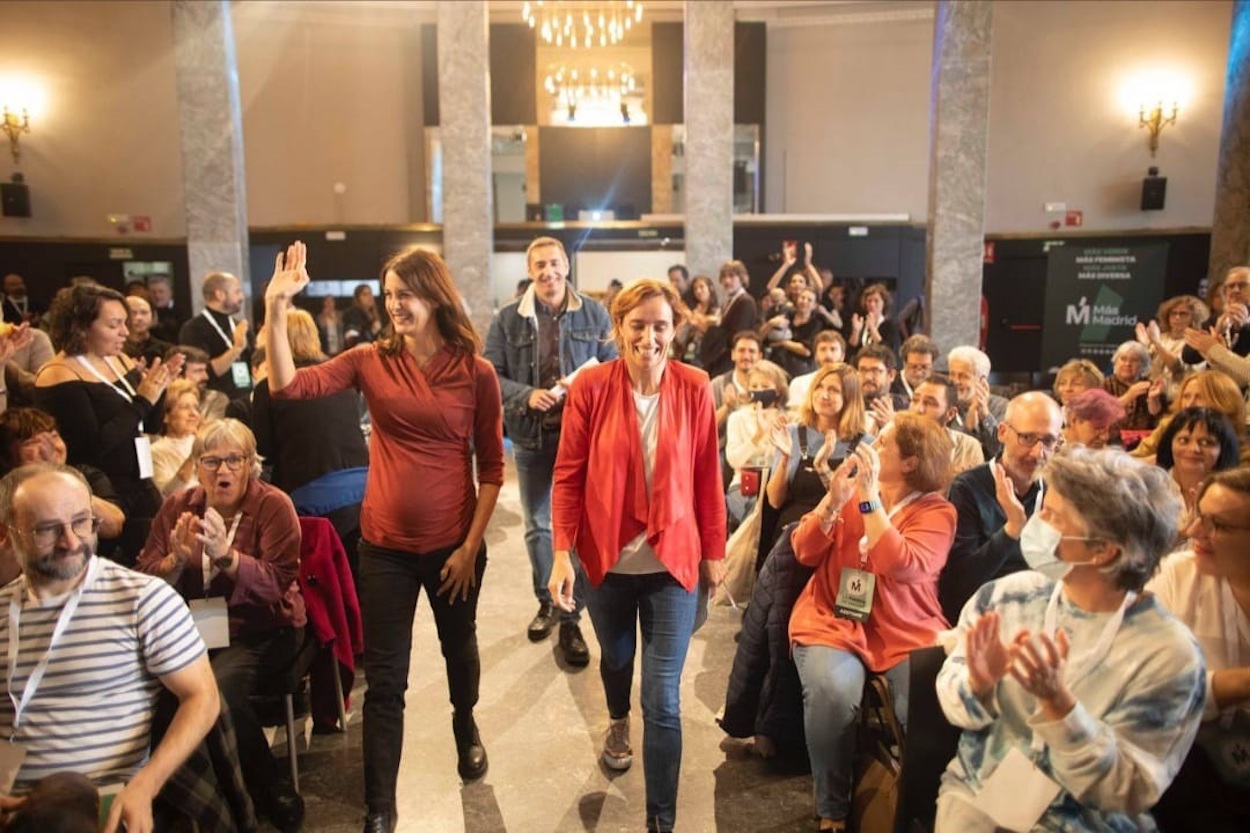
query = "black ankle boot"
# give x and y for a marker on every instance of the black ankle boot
(471, 754)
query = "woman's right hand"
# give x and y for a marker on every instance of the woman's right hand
(560, 583)
(290, 274)
(779, 436)
(987, 657)
(842, 482)
(182, 540)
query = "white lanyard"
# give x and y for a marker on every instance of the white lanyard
(62, 622)
(227, 339)
(1235, 629)
(894, 510)
(128, 394)
(206, 563)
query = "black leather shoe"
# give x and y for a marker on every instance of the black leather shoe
(541, 624)
(380, 823)
(573, 646)
(285, 807)
(471, 754)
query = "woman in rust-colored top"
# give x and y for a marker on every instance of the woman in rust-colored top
(878, 540)
(436, 407)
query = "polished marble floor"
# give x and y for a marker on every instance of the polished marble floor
(543, 728)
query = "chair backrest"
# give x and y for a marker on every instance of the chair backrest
(931, 743)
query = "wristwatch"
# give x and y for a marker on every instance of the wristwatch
(867, 507)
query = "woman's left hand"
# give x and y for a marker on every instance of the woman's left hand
(215, 538)
(1037, 664)
(12, 341)
(459, 574)
(712, 573)
(866, 479)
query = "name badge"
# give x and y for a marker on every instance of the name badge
(143, 452)
(855, 588)
(239, 372)
(1017, 794)
(212, 620)
(12, 756)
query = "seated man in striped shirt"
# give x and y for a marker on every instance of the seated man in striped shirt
(94, 643)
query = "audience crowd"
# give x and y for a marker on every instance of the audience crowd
(1079, 551)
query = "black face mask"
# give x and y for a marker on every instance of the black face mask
(765, 397)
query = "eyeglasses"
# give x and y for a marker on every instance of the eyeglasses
(47, 534)
(1049, 441)
(234, 462)
(1240, 286)
(1212, 525)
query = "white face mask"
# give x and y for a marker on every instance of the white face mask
(1038, 542)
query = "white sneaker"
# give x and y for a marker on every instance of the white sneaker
(617, 753)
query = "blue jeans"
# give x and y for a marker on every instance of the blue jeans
(534, 468)
(666, 612)
(833, 686)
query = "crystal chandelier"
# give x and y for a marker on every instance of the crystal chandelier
(595, 95)
(575, 24)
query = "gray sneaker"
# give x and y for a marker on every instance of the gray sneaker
(617, 753)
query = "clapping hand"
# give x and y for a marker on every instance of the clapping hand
(13, 340)
(290, 274)
(183, 539)
(1005, 493)
(1201, 340)
(1037, 664)
(987, 657)
(868, 471)
(882, 410)
(215, 538)
(779, 436)
(158, 376)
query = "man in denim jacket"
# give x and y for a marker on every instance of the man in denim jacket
(535, 343)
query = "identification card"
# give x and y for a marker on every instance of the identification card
(1017, 794)
(212, 619)
(239, 372)
(12, 756)
(855, 589)
(143, 451)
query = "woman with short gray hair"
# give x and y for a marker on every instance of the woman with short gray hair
(1078, 694)
(1142, 400)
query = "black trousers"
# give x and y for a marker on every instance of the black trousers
(241, 670)
(390, 583)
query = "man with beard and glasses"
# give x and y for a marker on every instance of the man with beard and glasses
(993, 501)
(227, 342)
(108, 637)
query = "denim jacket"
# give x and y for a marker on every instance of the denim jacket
(585, 332)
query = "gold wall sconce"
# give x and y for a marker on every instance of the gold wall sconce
(13, 127)
(1153, 119)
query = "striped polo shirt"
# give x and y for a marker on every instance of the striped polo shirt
(92, 713)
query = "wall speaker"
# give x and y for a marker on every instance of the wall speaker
(15, 199)
(1154, 189)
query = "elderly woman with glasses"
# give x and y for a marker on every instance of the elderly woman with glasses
(231, 545)
(1208, 588)
(1079, 695)
(1141, 398)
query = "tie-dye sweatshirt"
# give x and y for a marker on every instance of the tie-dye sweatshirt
(1137, 710)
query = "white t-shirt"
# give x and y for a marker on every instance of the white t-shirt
(637, 557)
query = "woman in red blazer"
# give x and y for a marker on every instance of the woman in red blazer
(637, 494)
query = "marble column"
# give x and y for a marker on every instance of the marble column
(211, 126)
(709, 116)
(1230, 228)
(959, 150)
(464, 127)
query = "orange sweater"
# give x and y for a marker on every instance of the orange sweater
(906, 561)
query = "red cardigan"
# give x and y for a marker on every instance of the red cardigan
(599, 499)
(906, 561)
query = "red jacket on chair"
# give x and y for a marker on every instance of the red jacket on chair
(325, 579)
(599, 499)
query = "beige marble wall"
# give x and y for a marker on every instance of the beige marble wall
(959, 151)
(464, 116)
(211, 131)
(661, 168)
(1230, 231)
(709, 110)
